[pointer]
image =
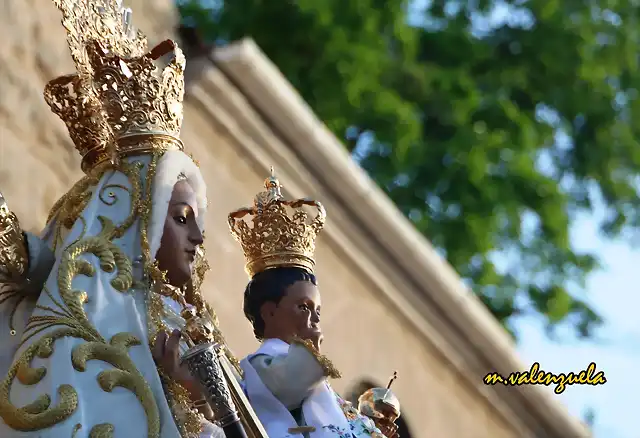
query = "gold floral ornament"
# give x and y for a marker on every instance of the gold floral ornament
(198, 330)
(68, 318)
(276, 237)
(120, 102)
(13, 252)
(201, 326)
(201, 322)
(14, 262)
(200, 268)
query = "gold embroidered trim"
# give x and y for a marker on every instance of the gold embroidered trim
(68, 209)
(104, 430)
(204, 309)
(39, 414)
(327, 367)
(187, 417)
(67, 318)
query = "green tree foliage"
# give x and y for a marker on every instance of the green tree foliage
(589, 417)
(490, 136)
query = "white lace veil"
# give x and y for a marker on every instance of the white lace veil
(172, 166)
(85, 363)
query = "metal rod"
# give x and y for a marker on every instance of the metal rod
(393, 378)
(204, 364)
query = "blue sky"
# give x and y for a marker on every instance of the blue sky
(613, 291)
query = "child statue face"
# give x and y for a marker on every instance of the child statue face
(296, 314)
(181, 236)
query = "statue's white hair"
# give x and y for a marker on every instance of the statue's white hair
(172, 167)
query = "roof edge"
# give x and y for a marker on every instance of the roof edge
(275, 98)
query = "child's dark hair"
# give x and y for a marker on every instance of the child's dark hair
(270, 286)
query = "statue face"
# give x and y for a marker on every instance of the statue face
(181, 236)
(296, 314)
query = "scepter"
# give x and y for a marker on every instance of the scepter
(393, 378)
(223, 393)
(203, 361)
(204, 364)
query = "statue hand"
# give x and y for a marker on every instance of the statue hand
(166, 353)
(388, 430)
(383, 408)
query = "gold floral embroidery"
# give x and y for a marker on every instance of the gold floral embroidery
(67, 210)
(70, 320)
(104, 430)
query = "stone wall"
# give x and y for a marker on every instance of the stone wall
(363, 336)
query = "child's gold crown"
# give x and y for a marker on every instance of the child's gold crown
(276, 237)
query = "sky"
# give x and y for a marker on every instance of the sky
(613, 292)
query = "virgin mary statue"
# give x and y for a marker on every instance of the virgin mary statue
(82, 305)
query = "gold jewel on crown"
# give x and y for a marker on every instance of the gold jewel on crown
(273, 237)
(120, 102)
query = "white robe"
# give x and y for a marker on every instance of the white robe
(89, 371)
(280, 377)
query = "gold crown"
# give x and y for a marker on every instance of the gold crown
(119, 102)
(277, 238)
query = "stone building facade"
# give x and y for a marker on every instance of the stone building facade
(390, 303)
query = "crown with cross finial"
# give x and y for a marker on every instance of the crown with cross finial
(122, 100)
(278, 232)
